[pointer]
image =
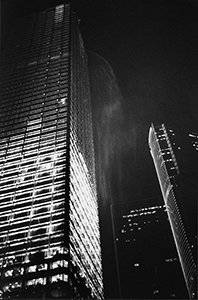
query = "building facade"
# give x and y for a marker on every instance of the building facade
(175, 158)
(49, 223)
(147, 260)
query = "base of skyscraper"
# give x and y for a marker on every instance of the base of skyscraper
(55, 277)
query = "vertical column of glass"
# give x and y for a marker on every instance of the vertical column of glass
(84, 227)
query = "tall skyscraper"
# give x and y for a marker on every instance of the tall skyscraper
(147, 260)
(174, 153)
(49, 223)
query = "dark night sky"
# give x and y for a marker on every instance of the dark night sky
(152, 47)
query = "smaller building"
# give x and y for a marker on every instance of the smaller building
(147, 260)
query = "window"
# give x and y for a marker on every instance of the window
(36, 281)
(59, 264)
(59, 277)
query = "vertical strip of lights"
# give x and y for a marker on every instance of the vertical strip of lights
(84, 220)
(166, 167)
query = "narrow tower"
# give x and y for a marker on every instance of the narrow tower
(175, 156)
(49, 223)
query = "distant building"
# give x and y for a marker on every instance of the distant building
(147, 260)
(175, 156)
(49, 224)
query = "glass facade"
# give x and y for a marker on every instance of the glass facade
(49, 235)
(164, 145)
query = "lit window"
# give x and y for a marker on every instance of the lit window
(59, 263)
(32, 269)
(6, 287)
(63, 100)
(36, 281)
(170, 259)
(31, 282)
(16, 284)
(40, 281)
(59, 277)
(8, 273)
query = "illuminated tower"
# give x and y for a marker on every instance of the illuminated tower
(49, 224)
(175, 158)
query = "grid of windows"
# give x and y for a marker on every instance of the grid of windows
(46, 149)
(33, 139)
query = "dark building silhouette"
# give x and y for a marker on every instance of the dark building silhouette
(49, 224)
(147, 260)
(175, 156)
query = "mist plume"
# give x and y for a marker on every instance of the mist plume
(107, 120)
